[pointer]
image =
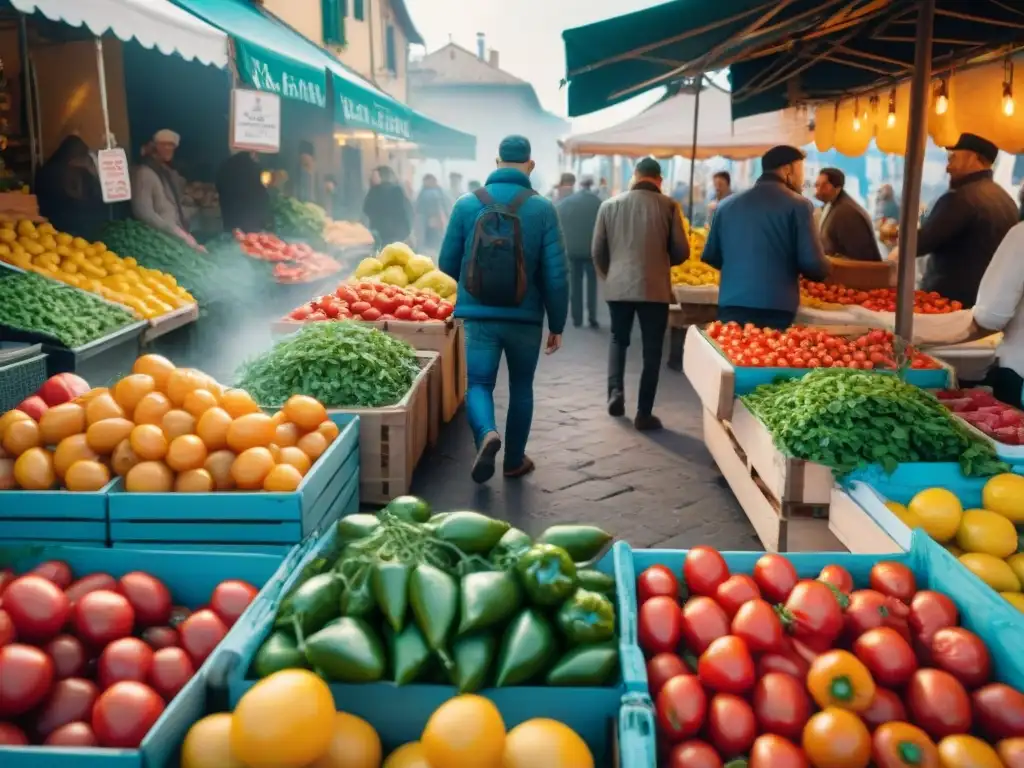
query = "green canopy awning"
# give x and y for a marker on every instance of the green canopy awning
(441, 142)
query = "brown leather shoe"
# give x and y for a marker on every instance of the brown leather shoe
(524, 469)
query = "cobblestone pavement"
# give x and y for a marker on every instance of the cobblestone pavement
(660, 490)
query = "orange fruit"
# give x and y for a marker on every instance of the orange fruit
(123, 458)
(86, 476)
(186, 452)
(198, 401)
(250, 431)
(151, 409)
(251, 468)
(279, 418)
(208, 744)
(330, 430)
(104, 436)
(177, 422)
(102, 407)
(149, 442)
(72, 449)
(7, 475)
(284, 478)
(156, 366)
(181, 382)
(287, 433)
(305, 411)
(33, 470)
(545, 742)
(10, 417)
(313, 445)
(20, 436)
(275, 451)
(212, 428)
(149, 477)
(61, 421)
(238, 403)
(218, 464)
(194, 481)
(465, 730)
(130, 390)
(407, 756)
(294, 456)
(93, 393)
(355, 744)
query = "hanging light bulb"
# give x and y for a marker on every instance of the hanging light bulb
(1008, 103)
(856, 115)
(890, 119)
(941, 99)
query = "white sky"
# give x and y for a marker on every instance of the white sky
(528, 37)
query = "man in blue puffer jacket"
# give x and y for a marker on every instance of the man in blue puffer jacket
(516, 330)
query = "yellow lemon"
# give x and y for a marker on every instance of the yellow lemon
(953, 549)
(910, 519)
(1016, 563)
(1016, 599)
(1005, 494)
(407, 756)
(986, 532)
(993, 571)
(548, 743)
(355, 744)
(465, 730)
(208, 744)
(939, 511)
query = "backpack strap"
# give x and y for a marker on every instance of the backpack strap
(519, 199)
(484, 197)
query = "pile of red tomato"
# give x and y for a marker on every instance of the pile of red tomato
(799, 347)
(879, 299)
(293, 262)
(93, 662)
(794, 673)
(374, 301)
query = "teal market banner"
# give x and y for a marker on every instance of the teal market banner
(361, 108)
(287, 78)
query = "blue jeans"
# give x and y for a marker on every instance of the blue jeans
(486, 340)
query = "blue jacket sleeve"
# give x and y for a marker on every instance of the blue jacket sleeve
(453, 247)
(554, 272)
(712, 253)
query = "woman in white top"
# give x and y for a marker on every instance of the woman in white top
(1000, 307)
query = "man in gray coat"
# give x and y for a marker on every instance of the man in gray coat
(638, 238)
(846, 228)
(157, 189)
(578, 216)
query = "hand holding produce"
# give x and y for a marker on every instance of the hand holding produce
(372, 302)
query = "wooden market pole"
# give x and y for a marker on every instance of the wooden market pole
(693, 146)
(913, 169)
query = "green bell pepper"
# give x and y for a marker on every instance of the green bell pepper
(506, 552)
(547, 573)
(473, 533)
(434, 598)
(409, 654)
(473, 656)
(588, 665)
(279, 651)
(582, 542)
(315, 602)
(487, 599)
(527, 649)
(390, 585)
(409, 508)
(357, 599)
(587, 617)
(349, 651)
(596, 581)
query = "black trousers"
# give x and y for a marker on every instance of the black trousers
(653, 322)
(778, 319)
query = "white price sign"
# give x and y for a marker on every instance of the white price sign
(255, 121)
(115, 176)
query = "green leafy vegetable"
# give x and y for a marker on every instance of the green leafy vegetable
(293, 218)
(847, 419)
(341, 364)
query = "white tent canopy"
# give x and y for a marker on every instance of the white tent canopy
(666, 130)
(153, 23)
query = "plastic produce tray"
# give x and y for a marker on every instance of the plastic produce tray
(99, 362)
(981, 610)
(191, 577)
(400, 712)
(55, 516)
(249, 521)
(20, 378)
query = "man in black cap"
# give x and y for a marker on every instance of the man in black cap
(845, 226)
(762, 240)
(967, 223)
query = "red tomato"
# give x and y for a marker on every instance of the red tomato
(6, 577)
(444, 311)
(126, 659)
(62, 388)
(56, 571)
(26, 674)
(430, 307)
(726, 666)
(403, 312)
(419, 316)
(662, 668)
(70, 701)
(838, 577)
(659, 625)
(37, 607)
(172, 668)
(72, 735)
(999, 711)
(867, 610)
(885, 707)
(681, 707)
(732, 726)
(371, 315)
(161, 637)
(757, 624)
(124, 713)
(963, 654)
(68, 655)
(360, 307)
(178, 615)
(201, 632)
(654, 581)
(888, 657)
(102, 617)
(148, 596)
(938, 703)
(735, 591)
(899, 745)
(787, 663)
(812, 612)
(694, 754)
(703, 621)
(894, 580)
(34, 406)
(12, 736)
(770, 751)
(7, 632)
(91, 583)
(781, 705)
(704, 569)
(775, 577)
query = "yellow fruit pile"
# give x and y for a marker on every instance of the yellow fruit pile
(397, 264)
(692, 272)
(347, 233)
(984, 540)
(164, 429)
(289, 720)
(91, 267)
(697, 237)
(806, 300)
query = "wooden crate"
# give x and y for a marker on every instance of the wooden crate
(781, 525)
(856, 529)
(392, 439)
(449, 340)
(712, 377)
(16, 205)
(686, 315)
(862, 275)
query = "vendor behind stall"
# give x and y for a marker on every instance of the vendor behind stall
(68, 190)
(157, 189)
(967, 223)
(388, 211)
(845, 226)
(244, 201)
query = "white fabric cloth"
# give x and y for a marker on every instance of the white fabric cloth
(166, 135)
(1000, 305)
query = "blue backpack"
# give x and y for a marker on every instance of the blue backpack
(496, 270)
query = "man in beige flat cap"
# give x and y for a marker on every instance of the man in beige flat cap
(157, 189)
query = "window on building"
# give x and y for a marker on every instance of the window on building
(390, 54)
(333, 13)
(357, 10)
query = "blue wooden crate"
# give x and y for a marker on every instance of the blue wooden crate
(399, 712)
(247, 519)
(43, 516)
(191, 578)
(982, 611)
